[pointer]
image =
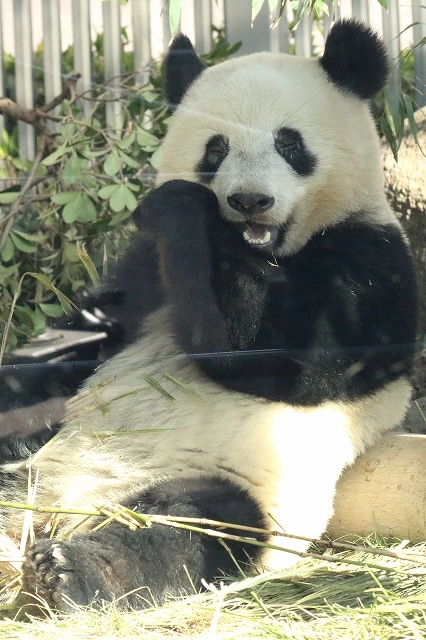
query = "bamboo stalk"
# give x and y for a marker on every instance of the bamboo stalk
(133, 519)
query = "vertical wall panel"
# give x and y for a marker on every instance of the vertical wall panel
(24, 73)
(141, 39)
(203, 21)
(360, 9)
(2, 78)
(280, 36)
(167, 34)
(112, 57)
(158, 45)
(187, 18)
(391, 31)
(239, 27)
(52, 49)
(303, 38)
(419, 15)
(52, 53)
(218, 13)
(82, 48)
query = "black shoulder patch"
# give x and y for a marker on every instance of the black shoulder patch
(181, 67)
(355, 58)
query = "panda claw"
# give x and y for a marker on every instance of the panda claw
(46, 576)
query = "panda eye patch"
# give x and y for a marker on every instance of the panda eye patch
(290, 145)
(217, 148)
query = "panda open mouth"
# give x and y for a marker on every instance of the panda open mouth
(260, 235)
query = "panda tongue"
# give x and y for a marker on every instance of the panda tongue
(259, 234)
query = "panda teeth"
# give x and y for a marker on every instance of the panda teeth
(265, 239)
(260, 235)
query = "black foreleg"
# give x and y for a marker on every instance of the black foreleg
(175, 215)
(143, 567)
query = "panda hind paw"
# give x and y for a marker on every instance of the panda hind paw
(50, 577)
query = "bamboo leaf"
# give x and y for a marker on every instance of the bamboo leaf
(66, 304)
(8, 272)
(120, 217)
(7, 197)
(128, 160)
(154, 383)
(88, 210)
(73, 170)
(117, 199)
(390, 137)
(64, 197)
(107, 191)
(256, 6)
(155, 158)
(71, 210)
(122, 197)
(146, 139)
(88, 264)
(36, 237)
(181, 384)
(91, 153)
(51, 310)
(112, 164)
(174, 14)
(129, 199)
(126, 142)
(54, 157)
(8, 250)
(21, 244)
(410, 115)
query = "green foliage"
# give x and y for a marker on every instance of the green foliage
(66, 216)
(82, 192)
(395, 105)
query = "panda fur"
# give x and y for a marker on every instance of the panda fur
(282, 344)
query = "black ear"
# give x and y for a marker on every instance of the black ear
(181, 67)
(355, 58)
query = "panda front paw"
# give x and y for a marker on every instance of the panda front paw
(171, 202)
(51, 577)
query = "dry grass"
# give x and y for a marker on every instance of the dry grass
(380, 598)
(340, 592)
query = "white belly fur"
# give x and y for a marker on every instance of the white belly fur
(288, 458)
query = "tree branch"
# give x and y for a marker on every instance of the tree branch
(37, 117)
(31, 116)
(17, 204)
(67, 93)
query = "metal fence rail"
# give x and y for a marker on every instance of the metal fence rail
(147, 25)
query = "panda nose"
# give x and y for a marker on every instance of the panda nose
(250, 202)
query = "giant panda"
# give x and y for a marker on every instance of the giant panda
(278, 352)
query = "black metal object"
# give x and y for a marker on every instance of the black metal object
(35, 383)
(59, 345)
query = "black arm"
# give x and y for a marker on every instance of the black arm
(176, 215)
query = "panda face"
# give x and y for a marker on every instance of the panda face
(285, 150)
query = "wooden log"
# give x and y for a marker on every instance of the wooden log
(384, 491)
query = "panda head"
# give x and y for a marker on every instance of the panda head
(287, 143)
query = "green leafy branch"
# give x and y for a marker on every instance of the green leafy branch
(66, 304)
(67, 214)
